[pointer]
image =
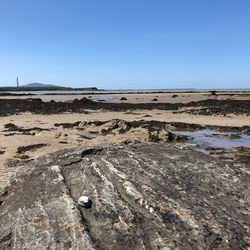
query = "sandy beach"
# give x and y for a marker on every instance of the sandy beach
(58, 138)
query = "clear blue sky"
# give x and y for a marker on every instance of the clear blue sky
(126, 43)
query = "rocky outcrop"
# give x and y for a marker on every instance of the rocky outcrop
(204, 107)
(157, 196)
(121, 131)
(10, 127)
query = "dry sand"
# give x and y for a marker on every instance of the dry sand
(54, 142)
(28, 120)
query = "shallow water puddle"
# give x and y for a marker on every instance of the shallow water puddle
(216, 139)
(102, 97)
(90, 110)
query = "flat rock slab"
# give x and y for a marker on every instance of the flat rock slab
(155, 196)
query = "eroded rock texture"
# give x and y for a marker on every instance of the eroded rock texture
(154, 196)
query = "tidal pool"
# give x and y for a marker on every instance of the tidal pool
(216, 139)
(102, 97)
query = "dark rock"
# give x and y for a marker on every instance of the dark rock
(32, 147)
(213, 93)
(67, 125)
(63, 142)
(16, 160)
(243, 155)
(58, 135)
(37, 106)
(10, 134)
(13, 127)
(233, 136)
(154, 100)
(21, 156)
(123, 99)
(172, 137)
(143, 197)
(174, 96)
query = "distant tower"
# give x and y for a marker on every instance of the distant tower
(17, 82)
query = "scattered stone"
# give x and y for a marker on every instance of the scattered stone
(10, 134)
(16, 160)
(243, 155)
(11, 127)
(63, 142)
(233, 136)
(172, 137)
(85, 202)
(21, 156)
(28, 131)
(123, 99)
(67, 124)
(32, 147)
(58, 135)
(213, 93)
(131, 113)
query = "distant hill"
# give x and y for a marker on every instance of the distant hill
(40, 85)
(44, 87)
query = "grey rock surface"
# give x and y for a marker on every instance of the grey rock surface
(148, 196)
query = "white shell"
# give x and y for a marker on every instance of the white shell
(83, 200)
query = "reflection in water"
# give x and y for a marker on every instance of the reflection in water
(211, 138)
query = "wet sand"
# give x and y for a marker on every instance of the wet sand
(174, 97)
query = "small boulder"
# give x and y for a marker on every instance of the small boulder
(213, 93)
(123, 99)
(85, 201)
